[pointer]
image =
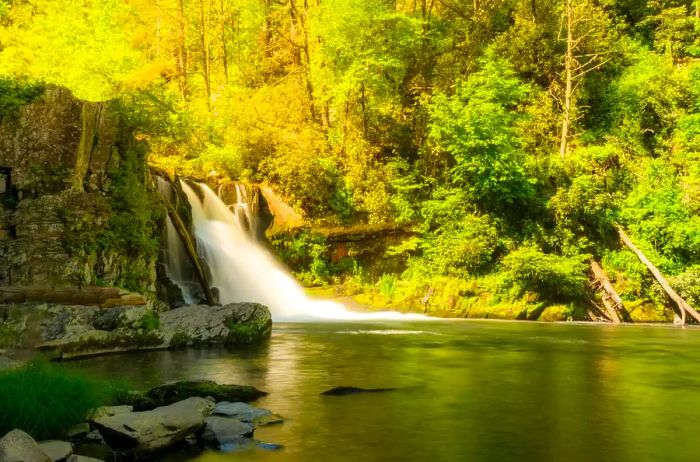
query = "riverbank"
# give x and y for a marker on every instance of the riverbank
(451, 300)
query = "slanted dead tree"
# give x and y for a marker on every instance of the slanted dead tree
(683, 306)
(611, 299)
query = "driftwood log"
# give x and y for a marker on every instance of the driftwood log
(104, 297)
(611, 299)
(683, 306)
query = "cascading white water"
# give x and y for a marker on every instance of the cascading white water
(243, 271)
(176, 255)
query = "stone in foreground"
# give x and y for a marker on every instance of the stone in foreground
(56, 450)
(173, 392)
(224, 432)
(17, 446)
(247, 413)
(143, 432)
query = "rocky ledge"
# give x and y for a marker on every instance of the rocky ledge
(72, 331)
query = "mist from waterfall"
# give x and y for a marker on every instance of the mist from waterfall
(244, 271)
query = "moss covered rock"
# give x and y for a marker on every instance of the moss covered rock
(164, 395)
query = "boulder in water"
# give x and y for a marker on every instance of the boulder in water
(164, 395)
(235, 323)
(224, 432)
(137, 433)
(342, 391)
(247, 413)
(17, 446)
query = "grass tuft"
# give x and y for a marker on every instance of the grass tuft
(45, 399)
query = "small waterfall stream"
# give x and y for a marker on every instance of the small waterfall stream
(244, 271)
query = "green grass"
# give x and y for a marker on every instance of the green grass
(46, 399)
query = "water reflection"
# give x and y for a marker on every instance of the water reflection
(482, 391)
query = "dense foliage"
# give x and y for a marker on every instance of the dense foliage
(511, 135)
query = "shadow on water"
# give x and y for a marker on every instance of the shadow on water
(481, 391)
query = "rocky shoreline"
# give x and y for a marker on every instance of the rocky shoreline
(64, 332)
(182, 413)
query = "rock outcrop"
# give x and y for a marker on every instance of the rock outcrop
(66, 217)
(72, 331)
(138, 433)
(17, 446)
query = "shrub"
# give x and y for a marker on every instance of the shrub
(14, 93)
(552, 276)
(45, 399)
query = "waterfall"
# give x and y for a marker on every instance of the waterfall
(177, 267)
(244, 271)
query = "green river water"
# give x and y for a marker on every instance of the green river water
(482, 391)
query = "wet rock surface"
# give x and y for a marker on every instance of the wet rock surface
(137, 433)
(164, 395)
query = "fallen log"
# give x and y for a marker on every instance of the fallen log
(683, 306)
(611, 299)
(104, 297)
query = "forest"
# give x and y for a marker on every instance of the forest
(514, 141)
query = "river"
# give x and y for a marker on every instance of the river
(483, 391)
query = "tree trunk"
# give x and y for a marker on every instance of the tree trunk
(568, 65)
(191, 251)
(224, 52)
(104, 297)
(204, 43)
(611, 299)
(182, 51)
(683, 306)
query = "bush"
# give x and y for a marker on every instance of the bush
(14, 93)
(551, 276)
(45, 399)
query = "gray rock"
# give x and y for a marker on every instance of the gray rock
(225, 431)
(77, 458)
(56, 450)
(216, 325)
(17, 446)
(247, 413)
(109, 411)
(78, 430)
(143, 432)
(7, 363)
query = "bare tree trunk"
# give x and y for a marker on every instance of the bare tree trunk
(568, 65)
(224, 51)
(158, 27)
(611, 299)
(204, 43)
(182, 51)
(683, 306)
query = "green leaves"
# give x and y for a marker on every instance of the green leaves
(477, 127)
